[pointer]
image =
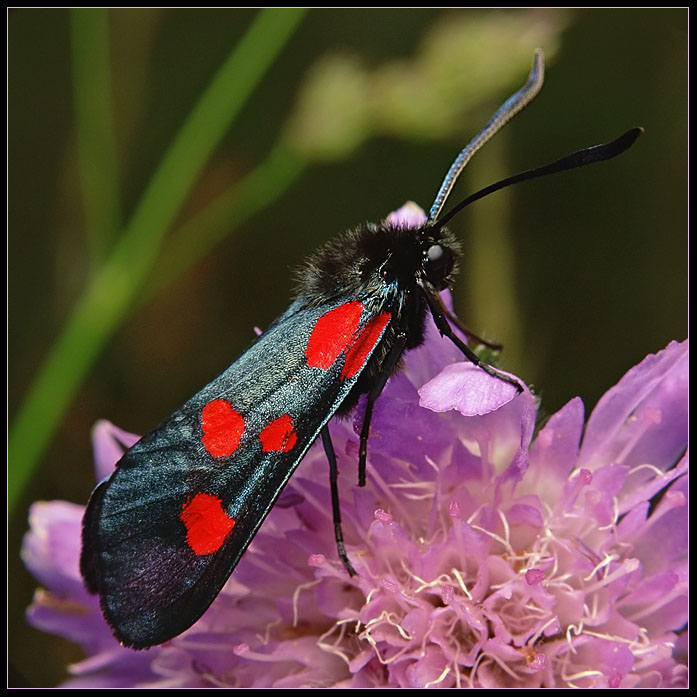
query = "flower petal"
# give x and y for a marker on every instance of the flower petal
(468, 389)
(644, 417)
(410, 215)
(109, 443)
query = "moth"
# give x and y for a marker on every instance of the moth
(164, 532)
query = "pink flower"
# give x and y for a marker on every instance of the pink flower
(485, 558)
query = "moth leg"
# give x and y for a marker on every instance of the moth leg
(454, 319)
(445, 329)
(385, 372)
(336, 511)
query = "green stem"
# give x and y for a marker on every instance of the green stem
(94, 128)
(114, 287)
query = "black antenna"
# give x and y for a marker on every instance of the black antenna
(501, 117)
(580, 158)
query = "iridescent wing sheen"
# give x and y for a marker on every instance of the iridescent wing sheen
(164, 532)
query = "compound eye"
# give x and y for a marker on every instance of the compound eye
(438, 263)
(434, 254)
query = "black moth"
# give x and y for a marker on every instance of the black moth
(164, 532)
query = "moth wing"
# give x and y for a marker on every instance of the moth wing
(164, 532)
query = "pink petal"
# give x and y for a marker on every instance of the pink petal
(468, 389)
(554, 452)
(410, 215)
(109, 443)
(644, 417)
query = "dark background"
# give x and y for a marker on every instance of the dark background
(598, 256)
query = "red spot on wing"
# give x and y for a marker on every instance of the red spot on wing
(364, 344)
(278, 436)
(332, 335)
(222, 428)
(207, 524)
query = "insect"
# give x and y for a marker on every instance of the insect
(164, 532)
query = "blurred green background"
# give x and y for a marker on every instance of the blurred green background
(353, 112)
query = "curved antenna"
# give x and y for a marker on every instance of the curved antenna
(505, 113)
(580, 158)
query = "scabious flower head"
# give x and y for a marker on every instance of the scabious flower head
(484, 558)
